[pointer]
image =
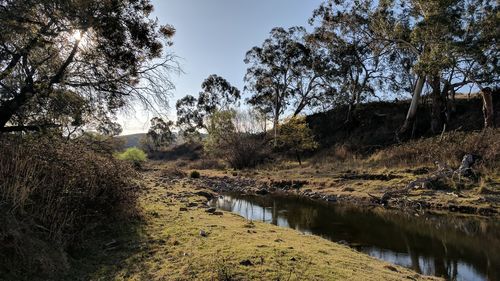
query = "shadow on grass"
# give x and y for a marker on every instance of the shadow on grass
(114, 250)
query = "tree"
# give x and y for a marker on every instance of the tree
(220, 128)
(189, 118)
(296, 137)
(217, 94)
(285, 71)
(193, 113)
(160, 134)
(441, 42)
(105, 53)
(356, 60)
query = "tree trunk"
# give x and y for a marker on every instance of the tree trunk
(277, 109)
(488, 109)
(438, 106)
(349, 117)
(452, 104)
(10, 107)
(412, 111)
(298, 158)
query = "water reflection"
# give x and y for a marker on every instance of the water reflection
(450, 247)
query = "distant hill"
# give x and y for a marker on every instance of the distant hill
(132, 140)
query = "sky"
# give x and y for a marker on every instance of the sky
(213, 37)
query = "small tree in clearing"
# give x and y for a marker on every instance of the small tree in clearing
(296, 137)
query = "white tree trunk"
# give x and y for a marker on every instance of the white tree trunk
(488, 110)
(412, 111)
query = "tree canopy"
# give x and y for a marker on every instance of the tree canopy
(193, 114)
(99, 55)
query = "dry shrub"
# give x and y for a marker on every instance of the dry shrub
(339, 154)
(246, 151)
(173, 172)
(207, 164)
(450, 149)
(58, 188)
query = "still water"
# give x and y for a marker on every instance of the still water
(446, 246)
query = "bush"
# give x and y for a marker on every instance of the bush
(195, 175)
(134, 155)
(233, 137)
(52, 192)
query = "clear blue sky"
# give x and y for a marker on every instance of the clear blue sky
(214, 35)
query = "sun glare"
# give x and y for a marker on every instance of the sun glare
(77, 35)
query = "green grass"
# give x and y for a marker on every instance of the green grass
(167, 245)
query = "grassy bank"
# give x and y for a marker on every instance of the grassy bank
(176, 239)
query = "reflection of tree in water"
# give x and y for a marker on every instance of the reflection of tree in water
(440, 245)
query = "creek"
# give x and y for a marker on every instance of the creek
(456, 248)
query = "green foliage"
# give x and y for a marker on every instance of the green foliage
(296, 137)
(220, 128)
(192, 113)
(195, 175)
(133, 155)
(159, 136)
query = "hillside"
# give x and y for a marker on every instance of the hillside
(131, 140)
(375, 124)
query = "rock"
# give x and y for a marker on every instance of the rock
(211, 210)
(205, 194)
(293, 259)
(246, 263)
(391, 268)
(217, 213)
(262, 191)
(203, 233)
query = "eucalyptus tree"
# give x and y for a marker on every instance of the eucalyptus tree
(189, 118)
(104, 54)
(160, 134)
(217, 95)
(356, 60)
(285, 72)
(437, 40)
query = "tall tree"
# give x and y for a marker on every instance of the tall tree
(107, 53)
(217, 95)
(356, 60)
(160, 133)
(285, 71)
(433, 38)
(189, 118)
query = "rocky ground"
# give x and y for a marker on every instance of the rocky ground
(373, 187)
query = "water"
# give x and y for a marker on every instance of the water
(455, 248)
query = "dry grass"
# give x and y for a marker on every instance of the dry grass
(54, 191)
(449, 148)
